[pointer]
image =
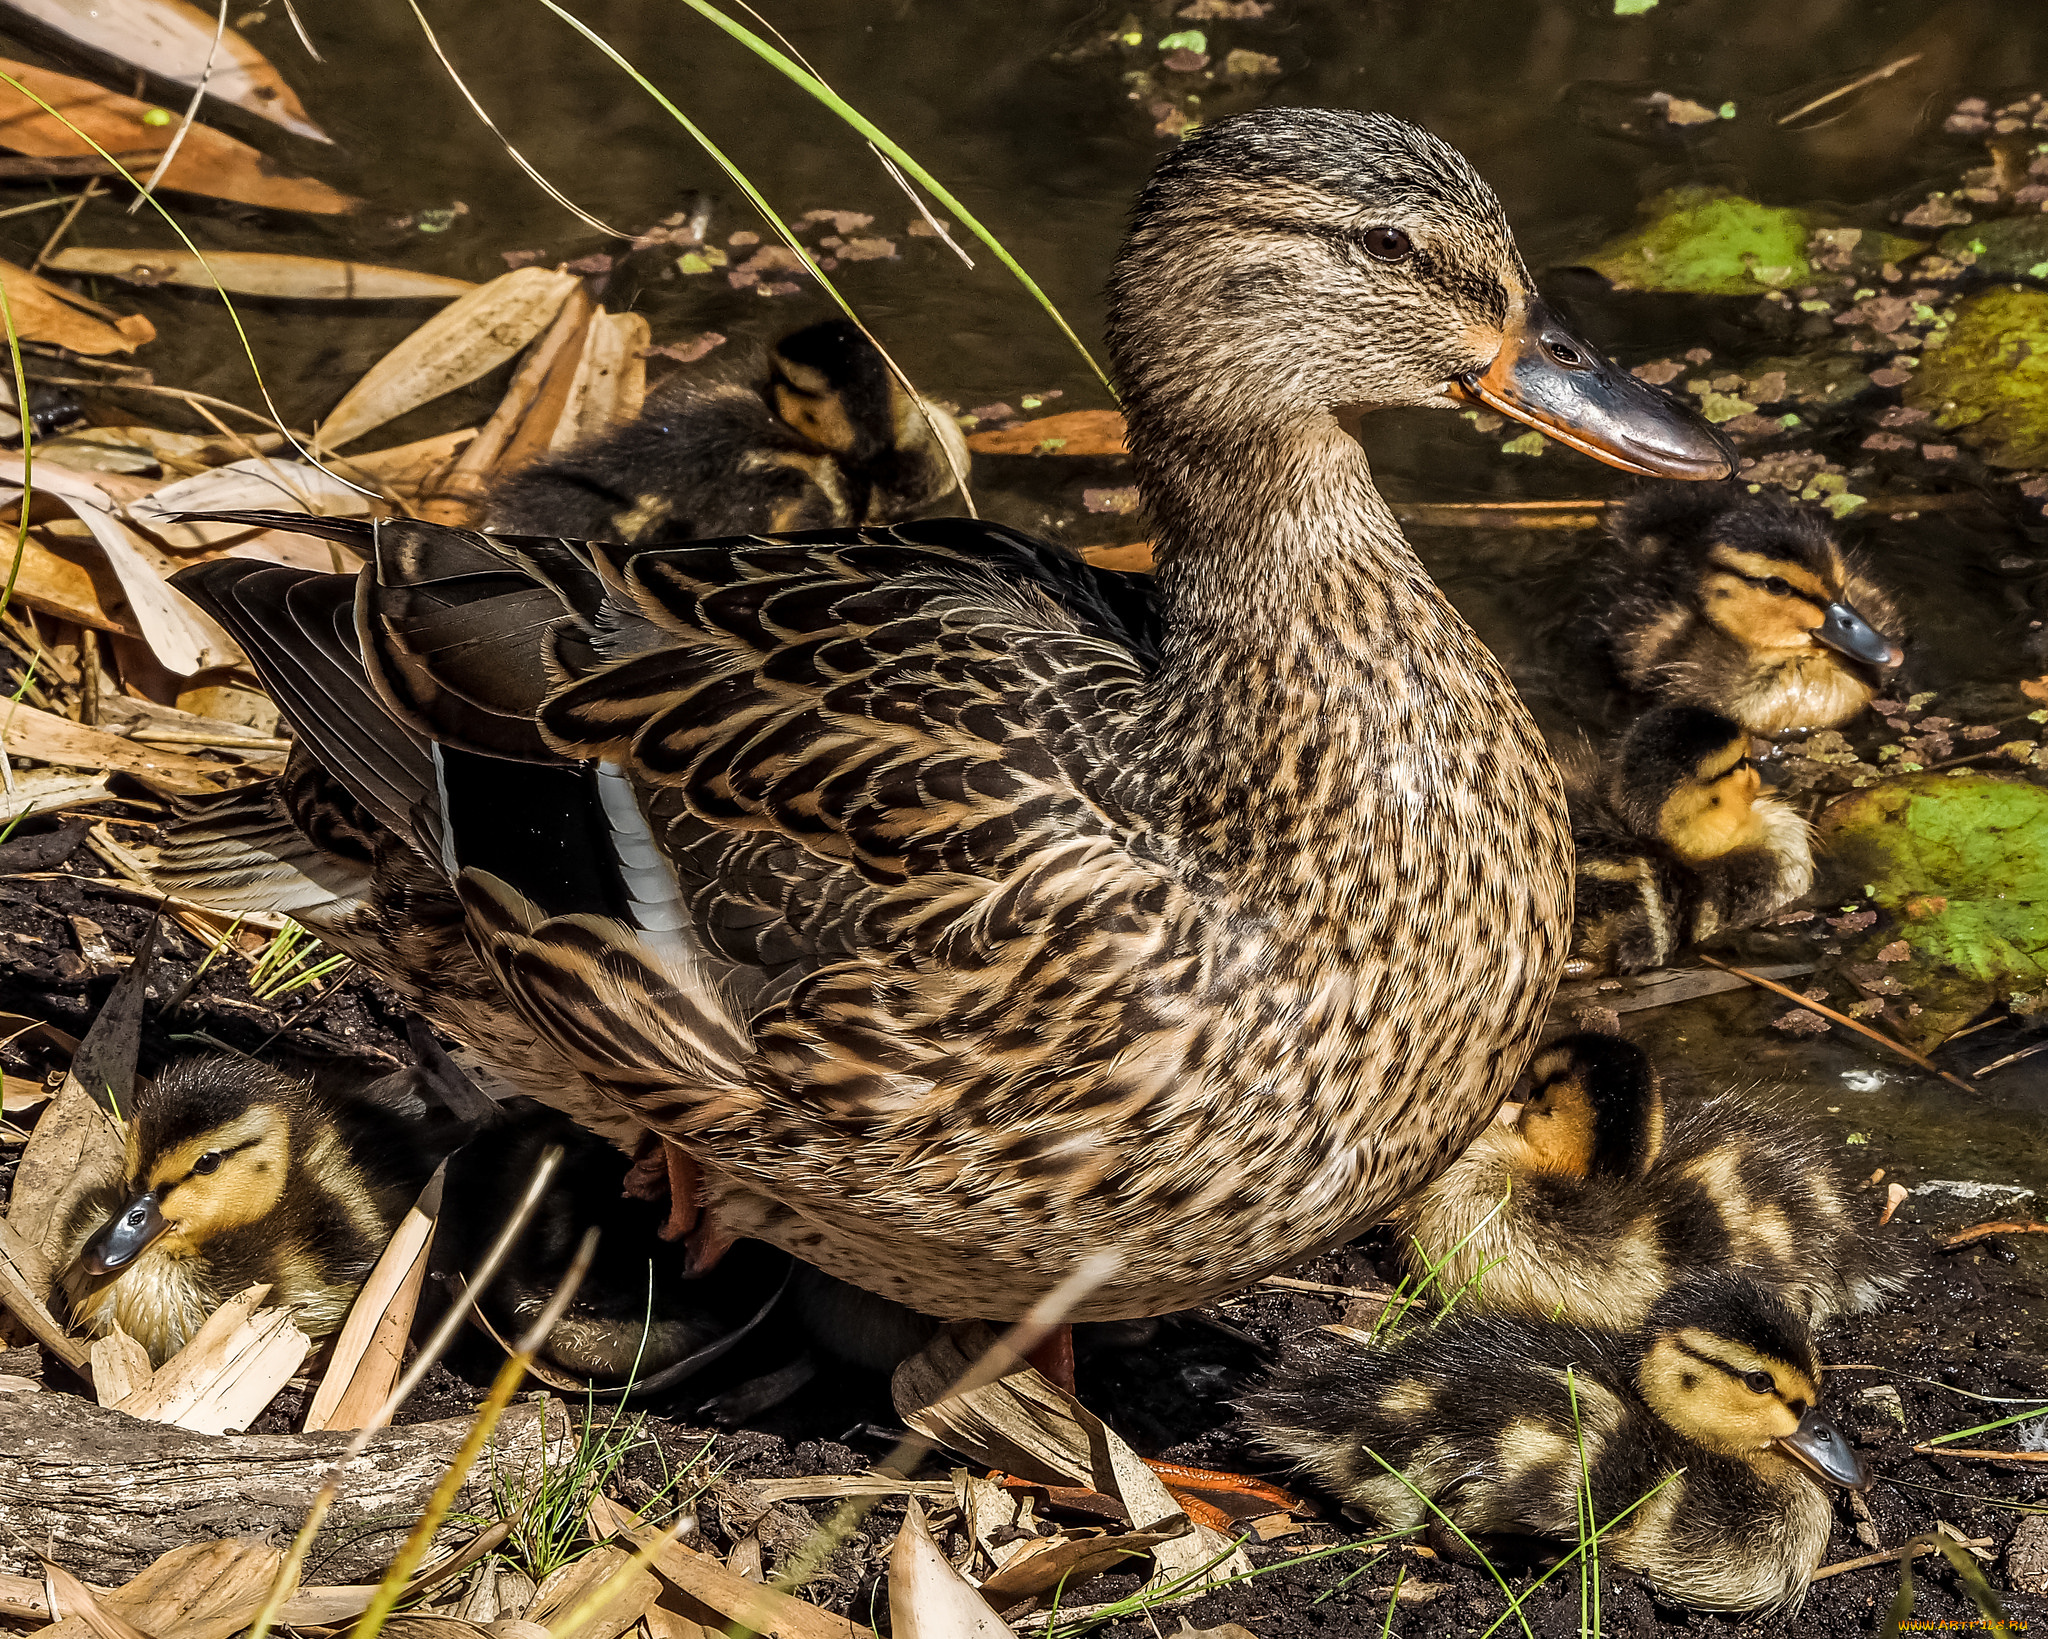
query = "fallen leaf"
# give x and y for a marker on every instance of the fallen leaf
(209, 162)
(47, 313)
(262, 273)
(232, 1368)
(49, 738)
(175, 42)
(120, 1367)
(370, 1348)
(610, 381)
(1074, 432)
(928, 1599)
(469, 338)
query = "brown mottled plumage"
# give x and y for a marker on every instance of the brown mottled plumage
(1708, 595)
(234, 1173)
(1599, 1197)
(956, 909)
(1676, 841)
(815, 435)
(1709, 1411)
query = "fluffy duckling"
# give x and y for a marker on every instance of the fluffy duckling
(1487, 1417)
(818, 435)
(636, 1319)
(1710, 595)
(1596, 1198)
(235, 1173)
(1676, 841)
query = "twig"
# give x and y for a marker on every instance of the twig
(1887, 1556)
(41, 204)
(92, 190)
(163, 162)
(1841, 91)
(2014, 1058)
(1980, 1232)
(1856, 1025)
(1987, 1456)
(1288, 1283)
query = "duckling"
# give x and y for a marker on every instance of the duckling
(818, 435)
(1677, 841)
(235, 1173)
(1710, 595)
(1595, 1198)
(1708, 1416)
(636, 1322)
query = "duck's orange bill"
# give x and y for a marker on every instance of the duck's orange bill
(1547, 378)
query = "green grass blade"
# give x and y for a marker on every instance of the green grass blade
(817, 88)
(1986, 1428)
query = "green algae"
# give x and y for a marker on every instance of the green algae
(1988, 383)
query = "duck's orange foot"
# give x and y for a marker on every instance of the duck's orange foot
(1222, 1501)
(1053, 1359)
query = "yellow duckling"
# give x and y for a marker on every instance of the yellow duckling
(235, 1173)
(1597, 1198)
(1676, 841)
(1710, 1412)
(818, 435)
(1709, 595)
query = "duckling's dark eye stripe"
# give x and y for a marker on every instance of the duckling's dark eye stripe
(1764, 582)
(192, 1171)
(1720, 1366)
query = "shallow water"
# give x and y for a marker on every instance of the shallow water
(1048, 153)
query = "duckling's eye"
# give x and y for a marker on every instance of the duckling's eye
(1778, 586)
(1758, 1382)
(1388, 244)
(209, 1162)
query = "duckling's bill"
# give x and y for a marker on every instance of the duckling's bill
(1548, 378)
(1819, 1445)
(1845, 631)
(126, 1237)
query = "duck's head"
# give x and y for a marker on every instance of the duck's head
(831, 384)
(1729, 1365)
(1685, 776)
(1298, 261)
(211, 1144)
(1595, 1106)
(1764, 572)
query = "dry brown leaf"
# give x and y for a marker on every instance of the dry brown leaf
(1024, 1425)
(229, 1372)
(707, 1582)
(264, 483)
(175, 42)
(49, 738)
(1134, 559)
(73, 1146)
(209, 162)
(610, 383)
(1047, 1562)
(71, 579)
(44, 312)
(120, 1367)
(263, 273)
(38, 791)
(204, 1590)
(370, 1347)
(928, 1599)
(1076, 432)
(558, 1596)
(76, 1600)
(178, 634)
(467, 339)
(23, 1280)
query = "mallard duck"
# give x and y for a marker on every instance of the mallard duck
(1676, 841)
(235, 1173)
(957, 910)
(1709, 595)
(1596, 1198)
(818, 435)
(1708, 1417)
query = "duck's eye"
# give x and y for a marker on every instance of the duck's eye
(1758, 1382)
(1778, 586)
(1388, 244)
(209, 1162)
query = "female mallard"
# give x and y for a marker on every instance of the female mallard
(957, 910)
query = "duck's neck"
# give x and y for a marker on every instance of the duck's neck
(1317, 693)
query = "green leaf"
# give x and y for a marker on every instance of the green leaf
(1988, 384)
(1710, 242)
(1188, 39)
(1633, 8)
(1960, 867)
